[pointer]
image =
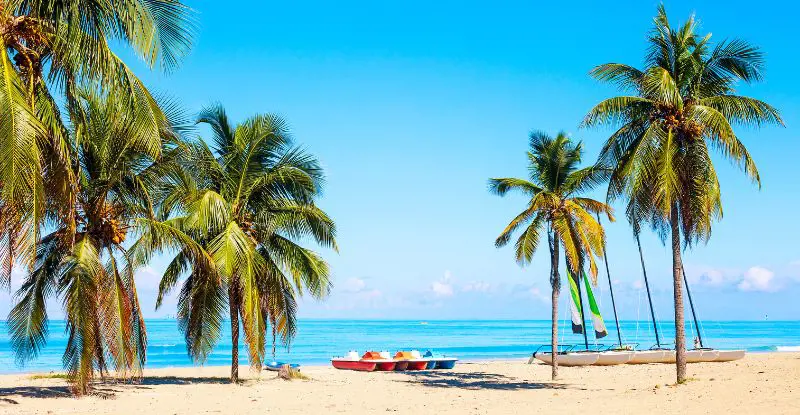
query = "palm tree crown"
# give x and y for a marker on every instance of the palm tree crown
(50, 52)
(684, 102)
(88, 266)
(554, 185)
(238, 210)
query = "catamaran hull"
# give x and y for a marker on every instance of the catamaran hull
(698, 356)
(643, 357)
(570, 359)
(669, 357)
(729, 355)
(613, 358)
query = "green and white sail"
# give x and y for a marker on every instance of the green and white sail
(575, 309)
(575, 305)
(597, 319)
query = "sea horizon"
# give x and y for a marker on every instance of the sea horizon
(319, 339)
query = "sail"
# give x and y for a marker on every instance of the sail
(597, 319)
(575, 305)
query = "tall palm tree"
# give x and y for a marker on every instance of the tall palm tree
(554, 185)
(246, 202)
(683, 102)
(50, 51)
(88, 267)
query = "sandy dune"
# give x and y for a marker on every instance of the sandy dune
(762, 384)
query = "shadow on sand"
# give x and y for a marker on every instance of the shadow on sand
(105, 390)
(474, 381)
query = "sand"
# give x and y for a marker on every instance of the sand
(759, 384)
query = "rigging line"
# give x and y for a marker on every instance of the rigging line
(647, 287)
(611, 289)
(691, 304)
(638, 313)
(564, 326)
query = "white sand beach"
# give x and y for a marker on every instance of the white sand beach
(766, 383)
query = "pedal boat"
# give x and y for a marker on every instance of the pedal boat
(440, 361)
(382, 363)
(352, 361)
(413, 358)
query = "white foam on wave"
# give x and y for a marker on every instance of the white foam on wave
(788, 348)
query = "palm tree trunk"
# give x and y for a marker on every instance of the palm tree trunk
(677, 280)
(233, 302)
(555, 282)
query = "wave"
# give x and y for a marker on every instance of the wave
(788, 348)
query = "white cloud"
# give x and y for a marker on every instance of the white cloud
(712, 277)
(638, 284)
(443, 287)
(794, 270)
(147, 279)
(758, 279)
(371, 294)
(478, 287)
(353, 285)
(537, 294)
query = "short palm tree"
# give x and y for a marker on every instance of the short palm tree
(683, 102)
(556, 207)
(238, 210)
(88, 267)
(50, 51)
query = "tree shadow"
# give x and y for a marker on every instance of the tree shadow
(104, 389)
(184, 380)
(474, 381)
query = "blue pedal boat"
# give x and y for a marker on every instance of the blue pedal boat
(276, 366)
(439, 361)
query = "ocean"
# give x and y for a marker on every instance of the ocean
(318, 340)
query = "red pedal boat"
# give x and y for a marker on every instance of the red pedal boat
(381, 362)
(412, 360)
(353, 362)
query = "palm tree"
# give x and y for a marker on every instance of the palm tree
(92, 274)
(554, 185)
(246, 202)
(50, 51)
(683, 102)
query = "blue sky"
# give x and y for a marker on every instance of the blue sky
(412, 105)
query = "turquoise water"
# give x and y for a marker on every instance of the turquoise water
(318, 340)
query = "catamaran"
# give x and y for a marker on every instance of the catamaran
(622, 353)
(567, 356)
(659, 354)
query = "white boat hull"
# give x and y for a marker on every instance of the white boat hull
(613, 358)
(570, 359)
(698, 356)
(729, 355)
(642, 357)
(669, 357)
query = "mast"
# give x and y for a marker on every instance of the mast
(647, 287)
(583, 318)
(611, 290)
(691, 304)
